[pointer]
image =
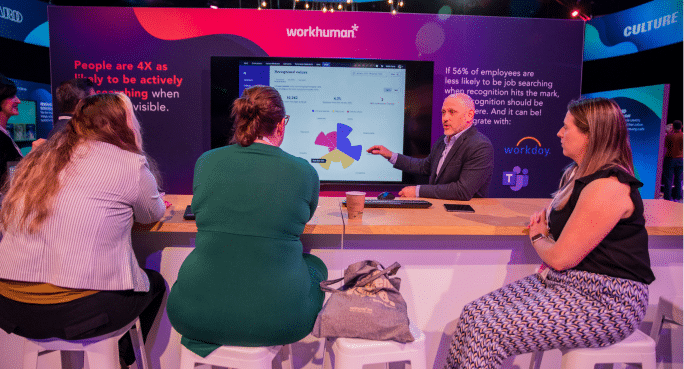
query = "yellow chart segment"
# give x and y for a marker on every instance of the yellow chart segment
(337, 156)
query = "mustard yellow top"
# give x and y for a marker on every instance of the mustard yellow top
(40, 293)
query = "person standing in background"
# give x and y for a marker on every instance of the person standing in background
(9, 107)
(672, 166)
(668, 129)
(68, 95)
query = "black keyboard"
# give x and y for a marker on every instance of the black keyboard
(415, 204)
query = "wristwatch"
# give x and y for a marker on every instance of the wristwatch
(537, 236)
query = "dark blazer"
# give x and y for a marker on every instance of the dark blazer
(7, 153)
(59, 124)
(466, 171)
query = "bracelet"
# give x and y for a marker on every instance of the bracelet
(537, 236)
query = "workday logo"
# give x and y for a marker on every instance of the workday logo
(517, 179)
(320, 32)
(526, 149)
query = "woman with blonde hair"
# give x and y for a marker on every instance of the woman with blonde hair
(592, 288)
(248, 281)
(68, 269)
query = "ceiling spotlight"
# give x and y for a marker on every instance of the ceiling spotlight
(263, 4)
(339, 6)
(401, 3)
(394, 11)
(578, 14)
(390, 1)
(349, 1)
(306, 5)
(324, 9)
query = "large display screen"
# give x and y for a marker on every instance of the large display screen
(338, 108)
(22, 127)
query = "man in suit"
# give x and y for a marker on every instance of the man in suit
(69, 94)
(460, 163)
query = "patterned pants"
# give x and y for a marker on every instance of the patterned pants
(567, 309)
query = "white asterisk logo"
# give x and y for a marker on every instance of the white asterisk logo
(355, 27)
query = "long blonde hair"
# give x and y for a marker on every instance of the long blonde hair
(608, 143)
(30, 194)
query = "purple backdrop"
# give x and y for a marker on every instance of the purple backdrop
(521, 72)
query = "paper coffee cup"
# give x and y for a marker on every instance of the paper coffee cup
(355, 200)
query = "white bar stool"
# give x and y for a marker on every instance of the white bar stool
(638, 348)
(237, 357)
(672, 313)
(354, 353)
(100, 352)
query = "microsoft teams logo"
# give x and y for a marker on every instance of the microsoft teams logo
(320, 32)
(516, 179)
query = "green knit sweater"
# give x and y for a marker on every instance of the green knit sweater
(248, 283)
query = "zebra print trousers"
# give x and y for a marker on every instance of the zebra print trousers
(567, 309)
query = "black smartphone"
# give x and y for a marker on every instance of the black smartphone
(188, 215)
(459, 207)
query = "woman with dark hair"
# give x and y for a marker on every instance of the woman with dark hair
(592, 289)
(248, 282)
(68, 269)
(9, 103)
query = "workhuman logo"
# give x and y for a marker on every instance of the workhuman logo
(519, 149)
(322, 32)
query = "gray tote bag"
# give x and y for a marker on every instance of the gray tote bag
(368, 305)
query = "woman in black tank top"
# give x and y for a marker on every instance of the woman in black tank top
(592, 289)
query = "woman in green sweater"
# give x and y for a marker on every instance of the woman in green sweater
(248, 282)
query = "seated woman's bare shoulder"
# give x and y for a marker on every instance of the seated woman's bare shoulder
(609, 193)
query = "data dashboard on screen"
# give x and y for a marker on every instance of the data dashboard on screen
(22, 127)
(338, 108)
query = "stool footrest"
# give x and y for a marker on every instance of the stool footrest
(237, 357)
(100, 352)
(354, 353)
(636, 348)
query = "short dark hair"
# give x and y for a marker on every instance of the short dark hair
(70, 92)
(7, 88)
